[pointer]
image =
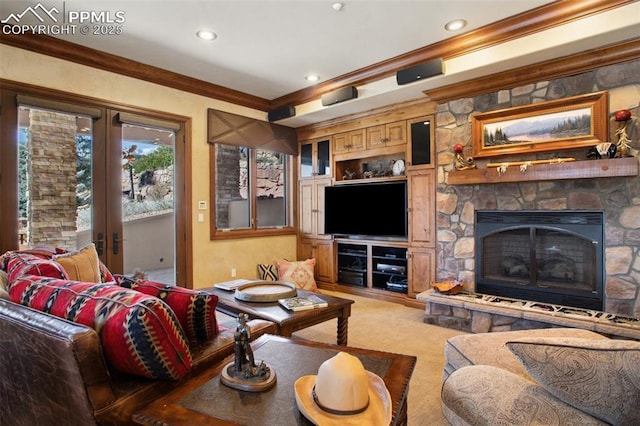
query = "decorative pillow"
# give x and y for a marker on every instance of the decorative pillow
(195, 310)
(267, 272)
(599, 377)
(3, 286)
(82, 265)
(300, 273)
(139, 333)
(20, 264)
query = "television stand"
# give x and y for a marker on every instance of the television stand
(373, 265)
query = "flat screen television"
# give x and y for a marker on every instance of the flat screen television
(366, 209)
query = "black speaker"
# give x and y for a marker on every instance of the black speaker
(340, 95)
(282, 112)
(420, 72)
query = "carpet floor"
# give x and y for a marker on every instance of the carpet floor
(392, 327)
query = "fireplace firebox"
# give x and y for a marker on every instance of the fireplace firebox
(549, 256)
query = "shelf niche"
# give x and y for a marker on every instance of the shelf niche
(614, 167)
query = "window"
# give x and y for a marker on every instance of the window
(252, 192)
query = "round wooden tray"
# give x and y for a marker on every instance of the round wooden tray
(265, 291)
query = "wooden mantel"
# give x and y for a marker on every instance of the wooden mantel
(627, 166)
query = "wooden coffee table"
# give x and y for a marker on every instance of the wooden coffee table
(288, 322)
(203, 400)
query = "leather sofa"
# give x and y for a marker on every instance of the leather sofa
(555, 376)
(53, 371)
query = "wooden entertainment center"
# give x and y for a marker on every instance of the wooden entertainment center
(389, 144)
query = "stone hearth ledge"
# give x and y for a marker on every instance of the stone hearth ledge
(481, 313)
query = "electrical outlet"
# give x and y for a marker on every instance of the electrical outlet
(233, 272)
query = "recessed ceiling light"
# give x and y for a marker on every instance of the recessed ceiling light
(312, 77)
(206, 35)
(455, 25)
(337, 6)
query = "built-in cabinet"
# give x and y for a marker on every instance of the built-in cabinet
(372, 265)
(311, 206)
(315, 158)
(389, 134)
(421, 186)
(322, 251)
(421, 149)
(349, 141)
(315, 165)
(388, 269)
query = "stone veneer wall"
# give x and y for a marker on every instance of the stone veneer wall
(51, 179)
(618, 197)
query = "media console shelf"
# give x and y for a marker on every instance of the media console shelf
(374, 265)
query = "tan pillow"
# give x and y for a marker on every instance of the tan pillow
(82, 265)
(4, 294)
(299, 273)
(598, 377)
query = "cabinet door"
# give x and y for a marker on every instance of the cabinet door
(306, 160)
(311, 202)
(306, 216)
(315, 158)
(323, 157)
(340, 143)
(421, 218)
(395, 133)
(357, 140)
(422, 268)
(318, 208)
(322, 252)
(349, 141)
(420, 152)
(376, 136)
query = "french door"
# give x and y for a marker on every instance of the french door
(92, 174)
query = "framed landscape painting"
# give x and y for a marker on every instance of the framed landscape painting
(561, 124)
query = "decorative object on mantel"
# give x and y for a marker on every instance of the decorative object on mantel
(604, 149)
(448, 286)
(561, 124)
(623, 116)
(502, 168)
(462, 163)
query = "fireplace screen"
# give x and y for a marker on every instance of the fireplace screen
(545, 256)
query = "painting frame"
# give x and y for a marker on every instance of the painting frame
(589, 110)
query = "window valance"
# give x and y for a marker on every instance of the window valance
(232, 129)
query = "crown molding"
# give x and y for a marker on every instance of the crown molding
(539, 19)
(555, 68)
(72, 52)
(536, 20)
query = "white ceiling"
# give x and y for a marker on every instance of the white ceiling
(267, 47)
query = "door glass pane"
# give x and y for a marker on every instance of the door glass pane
(271, 189)
(306, 160)
(148, 240)
(324, 163)
(233, 209)
(420, 143)
(55, 179)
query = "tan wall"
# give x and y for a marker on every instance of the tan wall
(212, 260)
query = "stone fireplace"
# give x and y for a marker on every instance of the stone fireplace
(618, 198)
(541, 255)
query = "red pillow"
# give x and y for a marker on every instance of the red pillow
(18, 265)
(139, 333)
(195, 310)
